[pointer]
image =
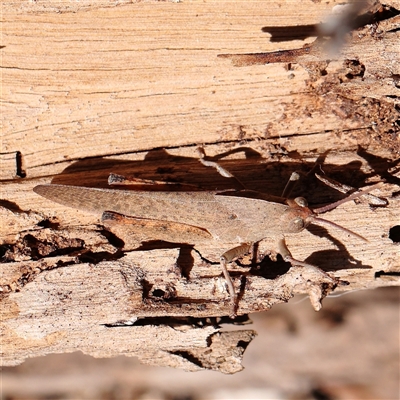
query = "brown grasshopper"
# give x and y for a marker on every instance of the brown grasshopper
(243, 216)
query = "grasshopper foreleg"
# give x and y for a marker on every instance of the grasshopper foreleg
(287, 256)
(315, 292)
(291, 183)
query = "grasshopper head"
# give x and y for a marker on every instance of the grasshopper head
(297, 216)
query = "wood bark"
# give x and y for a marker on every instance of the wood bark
(97, 87)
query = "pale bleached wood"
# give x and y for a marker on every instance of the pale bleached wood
(147, 75)
(118, 82)
(64, 300)
(89, 308)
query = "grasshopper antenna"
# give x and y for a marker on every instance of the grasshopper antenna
(356, 195)
(321, 210)
(324, 222)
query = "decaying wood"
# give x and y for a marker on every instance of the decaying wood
(95, 99)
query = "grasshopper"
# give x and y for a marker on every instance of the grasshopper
(242, 216)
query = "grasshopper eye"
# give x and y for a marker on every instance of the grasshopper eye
(296, 224)
(301, 201)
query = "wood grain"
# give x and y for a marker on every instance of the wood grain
(98, 87)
